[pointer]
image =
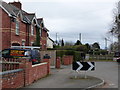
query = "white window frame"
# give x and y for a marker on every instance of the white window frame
(40, 32)
(17, 27)
(23, 42)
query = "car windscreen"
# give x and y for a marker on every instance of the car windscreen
(35, 54)
(5, 53)
(15, 53)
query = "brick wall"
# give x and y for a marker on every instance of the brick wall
(8, 30)
(35, 72)
(26, 75)
(67, 60)
(13, 80)
(43, 40)
(58, 63)
(5, 30)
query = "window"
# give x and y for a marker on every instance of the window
(32, 29)
(42, 25)
(40, 32)
(23, 43)
(17, 27)
(32, 43)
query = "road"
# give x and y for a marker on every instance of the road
(59, 78)
(107, 71)
(65, 78)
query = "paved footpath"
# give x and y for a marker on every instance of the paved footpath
(65, 78)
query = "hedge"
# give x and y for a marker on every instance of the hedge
(76, 54)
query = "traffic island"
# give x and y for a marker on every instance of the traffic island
(88, 81)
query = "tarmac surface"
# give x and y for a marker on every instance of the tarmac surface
(65, 77)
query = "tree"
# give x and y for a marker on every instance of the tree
(95, 45)
(69, 43)
(113, 46)
(88, 47)
(114, 24)
(115, 27)
(78, 42)
(62, 43)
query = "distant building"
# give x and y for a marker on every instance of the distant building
(50, 42)
(20, 28)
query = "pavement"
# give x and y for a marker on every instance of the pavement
(65, 77)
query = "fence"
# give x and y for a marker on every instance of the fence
(101, 57)
(10, 64)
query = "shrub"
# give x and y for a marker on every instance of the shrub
(77, 56)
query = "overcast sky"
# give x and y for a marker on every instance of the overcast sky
(68, 18)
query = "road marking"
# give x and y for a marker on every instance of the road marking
(111, 84)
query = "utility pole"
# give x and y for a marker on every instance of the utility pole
(106, 43)
(56, 38)
(80, 37)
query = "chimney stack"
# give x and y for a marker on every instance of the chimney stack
(16, 4)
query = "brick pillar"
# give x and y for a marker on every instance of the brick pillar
(71, 59)
(48, 65)
(27, 66)
(58, 63)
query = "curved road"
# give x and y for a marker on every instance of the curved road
(108, 71)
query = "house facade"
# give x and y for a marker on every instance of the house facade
(50, 42)
(20, 28)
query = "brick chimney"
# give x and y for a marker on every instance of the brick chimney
(16, 4)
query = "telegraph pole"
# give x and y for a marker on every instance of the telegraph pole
(106, 43)
(80, 37)
(56, 38)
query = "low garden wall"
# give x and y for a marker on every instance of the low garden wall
(24, 75)
(12, 78)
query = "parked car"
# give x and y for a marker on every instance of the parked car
(117, 56)
(32, 55)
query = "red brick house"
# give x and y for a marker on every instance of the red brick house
(43, 34)
(20, 28)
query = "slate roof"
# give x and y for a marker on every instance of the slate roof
(51, 39)
(13, 11)
(31, 16)
(26, 17)
(46, 29)
(8, 8)
(40, 20)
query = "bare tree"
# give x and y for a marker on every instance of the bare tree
(115, 26)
